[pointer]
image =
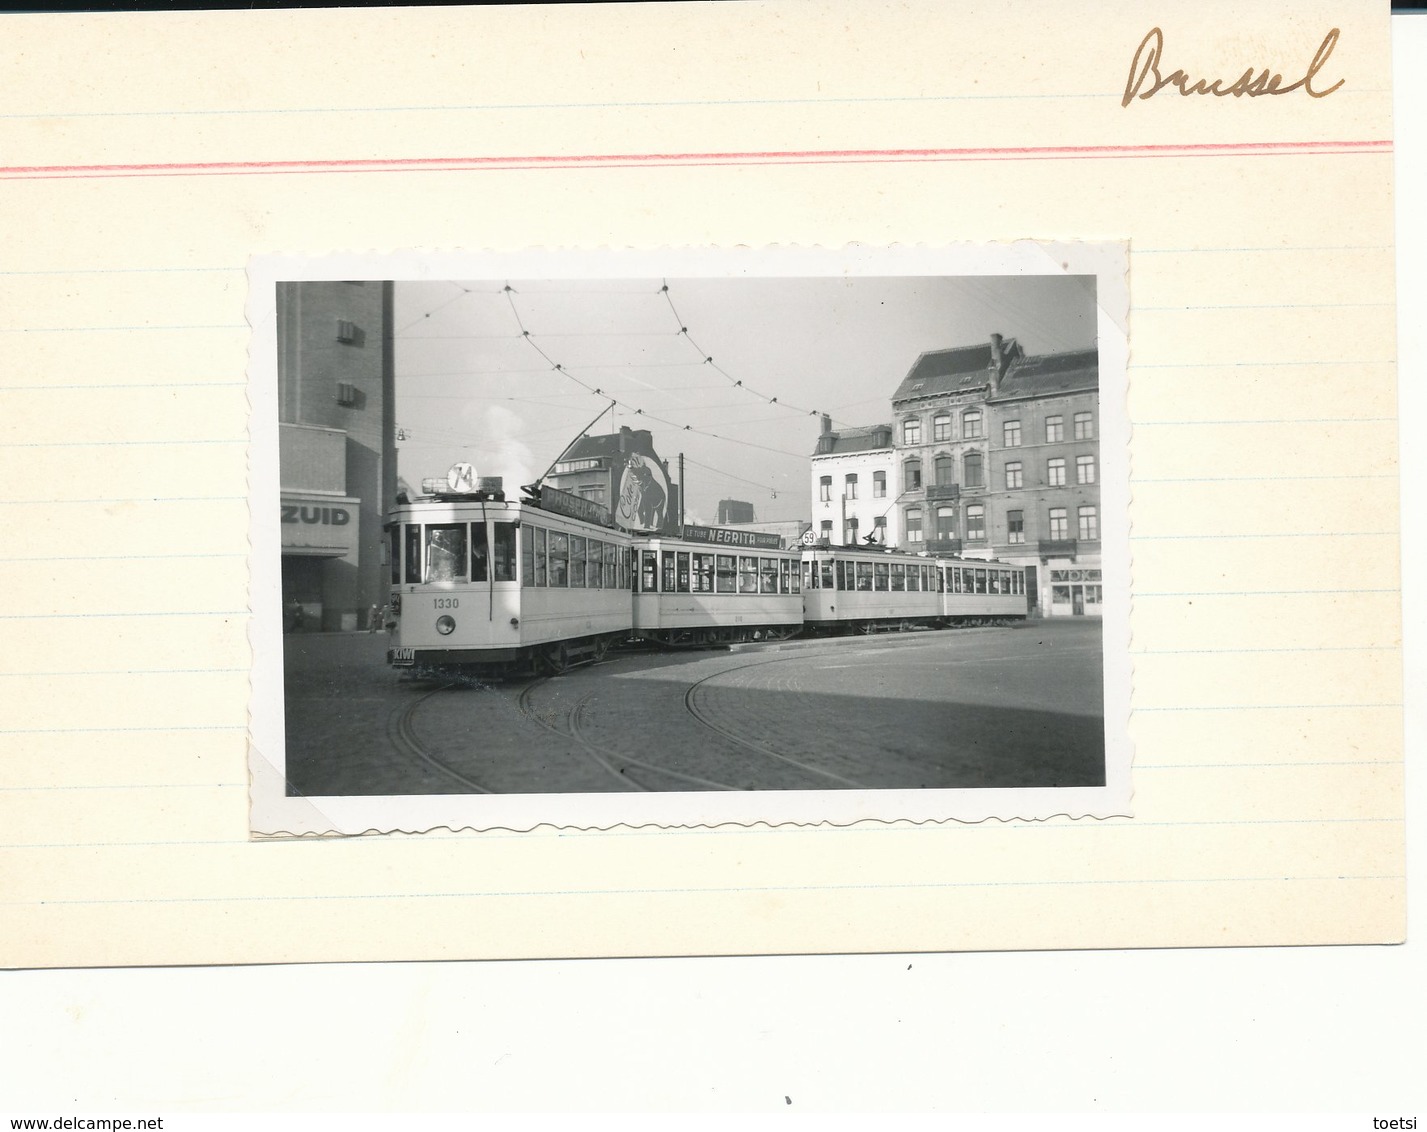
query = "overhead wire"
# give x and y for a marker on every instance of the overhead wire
(634, 410)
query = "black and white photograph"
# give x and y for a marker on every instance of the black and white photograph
(673, 534)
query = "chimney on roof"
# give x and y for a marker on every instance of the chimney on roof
(827, 424)
(624, 438)
(1003, 353)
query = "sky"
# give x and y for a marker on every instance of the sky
(477, 378)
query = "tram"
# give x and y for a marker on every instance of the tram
(489, 586)
(977, 593)
(716, 586)
(865, 589)
(486, 584)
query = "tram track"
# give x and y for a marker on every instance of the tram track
(402, 732)
(574, 730)
(693, 695)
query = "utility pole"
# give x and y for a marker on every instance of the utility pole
(681, 493)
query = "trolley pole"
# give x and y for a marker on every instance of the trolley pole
(681, 493)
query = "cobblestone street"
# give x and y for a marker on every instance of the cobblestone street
(1011, 707)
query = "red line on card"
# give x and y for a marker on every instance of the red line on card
(753, 157)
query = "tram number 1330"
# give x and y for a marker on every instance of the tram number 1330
(447, 602)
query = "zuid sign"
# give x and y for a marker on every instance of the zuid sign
(325, 516)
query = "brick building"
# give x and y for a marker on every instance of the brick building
(991, 453)
(998, 457)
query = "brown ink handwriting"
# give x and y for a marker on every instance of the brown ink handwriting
(1145, 80)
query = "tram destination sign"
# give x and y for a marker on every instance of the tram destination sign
(575, 506)
(764, 540)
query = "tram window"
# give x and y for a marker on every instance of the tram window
(626, 563)
(393, 540)
(559, 559)
(540, 559)
(727, 579)
(668, 585)
(446, 553)
(503, 561)
(995, 581)
(827, 582)
(914, 578)
(785, 581)
(703, 573)
(527, 557)
(956, 580)
(479, 554)
(899, 577)
(683, 571)
(881, 572)
(413, 552)
(649, 574)
(864, 575)
(793, 577)
(594, 565)
(810, 574)
(577, 562)
(747, 575)
(980, 581)
(767, 575)
(611, 566)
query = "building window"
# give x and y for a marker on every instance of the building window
(1015, 526)
(1085, 469)
(971, 424)
(849, 534)
(1055, 472)
(914, 525)
(944, 470)
(825, 489)
(879, 485)
(879, 528)
(945, 522)
(1084, 426)
(975, 523)
(912, 474)
(827, 529)
(1013, 475)
(911, 432)
(849, 490)
(1054, 429)
(941, 426)
(1058, 523)
(971, 469)
(1089, 523)
(594, 492)
(1011, 432)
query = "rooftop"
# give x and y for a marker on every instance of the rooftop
(869, 438)
(968, 368)
(1051, 373)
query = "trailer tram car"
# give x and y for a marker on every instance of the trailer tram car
(981, 593)
(716, 586)
(866, 589)
(487, 586)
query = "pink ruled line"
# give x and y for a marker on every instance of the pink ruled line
(755, 157)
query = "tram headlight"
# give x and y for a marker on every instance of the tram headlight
(445, 625)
